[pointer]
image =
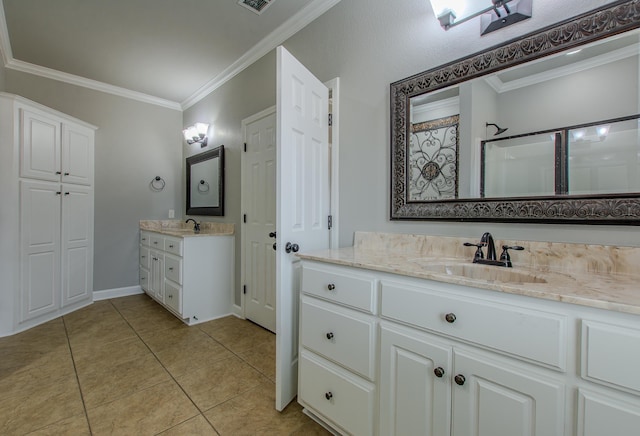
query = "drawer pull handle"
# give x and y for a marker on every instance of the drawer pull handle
(328, 395)
(439, 372)
(155, 242)
(144, 257)
(171, 246)
(170, 296)
(330, 335)
(459, 379)
(450, 318)
(170, 268)
(331, 286)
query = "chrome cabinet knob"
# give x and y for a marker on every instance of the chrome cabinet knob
(459, 379)
(450, 318)
(330, 335)
(439, 372)
(328, 395)
(289, 247)
(331, 286)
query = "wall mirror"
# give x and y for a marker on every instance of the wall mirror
(543, 128)
(205, 183)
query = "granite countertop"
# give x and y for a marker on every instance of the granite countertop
(610, 290)
(180, 229)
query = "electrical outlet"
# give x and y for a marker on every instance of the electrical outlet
(172, 213)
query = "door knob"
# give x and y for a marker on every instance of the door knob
(328, 395)
(459, 379)
(450, 318)
(272, 234)
(330, 335)
(274, 245)
(291, 247)
(439, 372)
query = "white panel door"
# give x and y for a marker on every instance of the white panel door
(77, 232)
(495, 399)
(415, 383)
(259, 204)
(302, 190)
(607, 414)
(77, 154)
(39, 248)
(40, 146)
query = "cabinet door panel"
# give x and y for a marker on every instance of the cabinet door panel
(413, 400)
(40, 146)
(77, 155)
(600, 414)
(77, 232)
(497, 399)
(40, 248)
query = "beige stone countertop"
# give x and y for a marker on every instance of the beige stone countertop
(180, 229)
(610, 291)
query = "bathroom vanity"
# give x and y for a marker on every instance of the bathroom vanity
(402, 334)
(190, 274)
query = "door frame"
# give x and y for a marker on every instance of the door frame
(334, 89)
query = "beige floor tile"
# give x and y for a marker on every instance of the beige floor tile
(52, 402)
(106, 384)
(254, 413)
(236, 334)
(195, 426)
(95, 355)
(219, 381)
(102, 331)
(24, 380)
(74, 426)
(150, 320)
(139, 300)
(80, 319)
(146, 412)
(262, 357)
(184, 350)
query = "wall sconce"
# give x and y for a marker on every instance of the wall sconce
(196, 134)
(496, 14)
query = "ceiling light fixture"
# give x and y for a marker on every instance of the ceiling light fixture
(196, 134)
(496, 14)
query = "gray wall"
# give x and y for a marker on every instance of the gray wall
(135, 142)
(369, 45)
(2, 74)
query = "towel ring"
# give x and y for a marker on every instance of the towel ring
(157, 184)
(203, 186)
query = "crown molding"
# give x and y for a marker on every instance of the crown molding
(289, 28)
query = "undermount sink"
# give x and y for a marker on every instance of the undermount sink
(480, 272)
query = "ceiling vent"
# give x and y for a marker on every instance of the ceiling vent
(257, 6)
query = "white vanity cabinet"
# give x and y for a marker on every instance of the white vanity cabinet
(191, 276)
(46, 188)
(338, 347)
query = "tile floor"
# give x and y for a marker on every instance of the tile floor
(128, 367)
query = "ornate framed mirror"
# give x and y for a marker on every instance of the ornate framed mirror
(542, 87)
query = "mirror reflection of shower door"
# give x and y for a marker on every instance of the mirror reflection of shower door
(259, 201)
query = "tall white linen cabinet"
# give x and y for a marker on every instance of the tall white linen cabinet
(46, 213)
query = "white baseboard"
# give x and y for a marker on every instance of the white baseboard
(237, 311)
(106, 294)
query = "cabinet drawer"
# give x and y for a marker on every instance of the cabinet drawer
(173, 245)
(611, 355)
(156, 241)
(339, 334)
(342, 286)
(144, 279)
(173, 268)
(145, 238)
(335, 394)
(173, 297)
(144, 257)
(534, 335)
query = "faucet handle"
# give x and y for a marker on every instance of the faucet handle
(504, 257)
(478, 254)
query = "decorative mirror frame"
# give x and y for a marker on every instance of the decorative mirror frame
(211, 154)
(612, 19)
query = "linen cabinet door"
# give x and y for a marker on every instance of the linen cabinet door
(494, 398)
(40, 146)
(77, 154)
(415, 383)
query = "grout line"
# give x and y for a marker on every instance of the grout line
(75, 371)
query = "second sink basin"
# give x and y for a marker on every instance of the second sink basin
(480, 272)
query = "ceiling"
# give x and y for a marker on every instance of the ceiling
(166, 52)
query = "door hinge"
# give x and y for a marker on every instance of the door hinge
(330, 221)
(244, 289)
(244, 218)
(330, 120)
(245, 147)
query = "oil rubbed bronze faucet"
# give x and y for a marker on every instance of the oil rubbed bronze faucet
(196, 225)
(487, 241)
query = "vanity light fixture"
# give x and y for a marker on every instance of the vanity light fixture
(603, 131)
(196, 134)
(495, 14)
(499, 130)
